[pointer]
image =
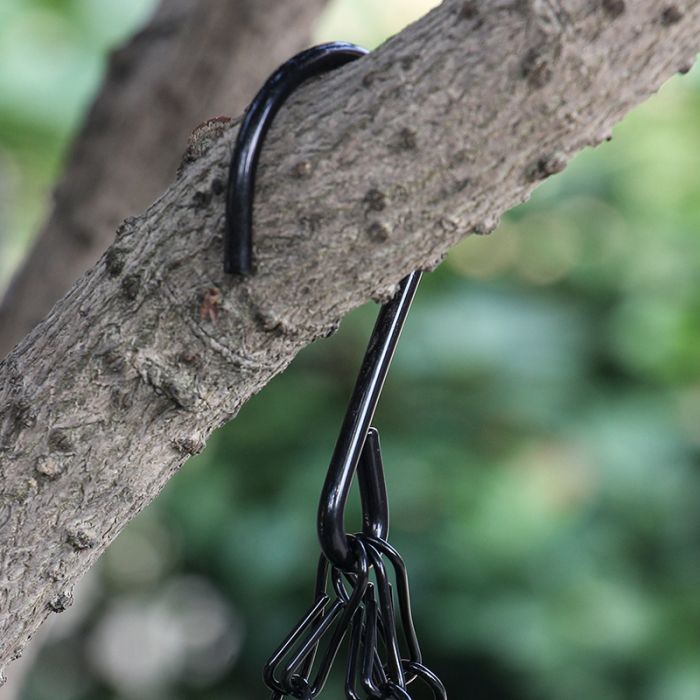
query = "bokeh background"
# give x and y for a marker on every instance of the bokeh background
(539, 426)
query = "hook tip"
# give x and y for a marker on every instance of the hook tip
(237, 266)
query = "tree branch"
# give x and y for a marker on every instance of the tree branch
(193, 61)
(369, 173)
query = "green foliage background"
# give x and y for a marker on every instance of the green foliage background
(539, 427)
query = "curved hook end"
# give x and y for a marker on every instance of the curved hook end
(256, 122)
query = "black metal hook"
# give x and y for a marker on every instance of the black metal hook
(238, 259)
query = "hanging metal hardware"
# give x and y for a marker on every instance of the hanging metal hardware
(354, 593)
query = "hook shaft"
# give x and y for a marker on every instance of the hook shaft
(348, 448)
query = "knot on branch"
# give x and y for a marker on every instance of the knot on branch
(61, 602)
(202, 138)
(80, 538)
(614, 7)
(545, 166)
(537, 66)
(671, 15)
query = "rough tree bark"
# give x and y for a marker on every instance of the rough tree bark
(368, 173)
(194, 60)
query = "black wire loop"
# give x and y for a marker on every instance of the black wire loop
(381, 662)
(354, 594)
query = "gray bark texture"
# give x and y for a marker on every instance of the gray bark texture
(196, 59)
(368, 173)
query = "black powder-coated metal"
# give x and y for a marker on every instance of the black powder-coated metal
(238, 259)
(370, 475)
(363, 402)
(279, 86)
